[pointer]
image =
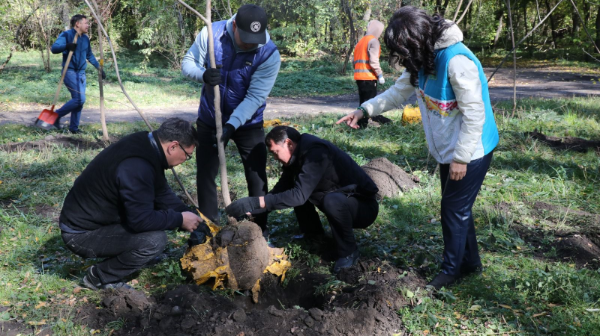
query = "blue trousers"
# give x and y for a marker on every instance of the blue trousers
(75, 82)
(458, 227)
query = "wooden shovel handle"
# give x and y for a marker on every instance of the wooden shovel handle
(64, 72)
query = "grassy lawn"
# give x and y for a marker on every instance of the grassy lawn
(528, 287)
(25, 84)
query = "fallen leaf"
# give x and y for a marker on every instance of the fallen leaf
(77, 290)
(40, 305)
(505, 306)
(539, 314)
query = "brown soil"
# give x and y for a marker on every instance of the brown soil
(367, 305)
(389, 178)
(580, 245)
(247, 251)
(566, 143)
(52, 140)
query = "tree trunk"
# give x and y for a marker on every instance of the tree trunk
(552, 25)
(12, 50)
(598, 27)
(499, 30)
(352, 33)
(576, 21)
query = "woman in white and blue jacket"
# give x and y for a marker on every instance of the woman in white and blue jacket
(461, 133)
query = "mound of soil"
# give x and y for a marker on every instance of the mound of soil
(366, 305)
(51, 140)
(570, 143)
(247, 250)
(389, 178)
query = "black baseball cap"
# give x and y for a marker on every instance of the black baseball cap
(251, 20)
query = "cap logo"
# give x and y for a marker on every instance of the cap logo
(255, 26)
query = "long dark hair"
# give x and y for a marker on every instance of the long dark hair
(411, 34)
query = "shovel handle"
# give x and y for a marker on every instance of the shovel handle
(64, 72)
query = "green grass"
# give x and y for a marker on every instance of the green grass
(24, 83)
(519, 293)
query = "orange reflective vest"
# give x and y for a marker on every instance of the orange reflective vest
(362, 68)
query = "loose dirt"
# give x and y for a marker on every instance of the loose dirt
(365, 303)
(566, 143)
(54, 140)
(580, 244)
(389, 178)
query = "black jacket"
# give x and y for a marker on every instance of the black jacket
(318, 167)
(124, 184)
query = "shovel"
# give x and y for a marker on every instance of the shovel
(47, 118)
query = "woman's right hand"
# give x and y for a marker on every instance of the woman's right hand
(351, 119)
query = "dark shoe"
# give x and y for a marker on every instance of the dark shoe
(346, 262)
(92, 281)
(77, 131)
(469, 270)
(442, 280)
(57, 124)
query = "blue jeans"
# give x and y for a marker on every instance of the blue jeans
(458, 227)
(75, 83)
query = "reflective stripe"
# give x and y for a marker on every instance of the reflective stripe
(362, 68)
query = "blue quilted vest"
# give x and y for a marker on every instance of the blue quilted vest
(236, 73)
(439, 97)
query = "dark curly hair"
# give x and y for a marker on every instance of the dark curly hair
(411, 34)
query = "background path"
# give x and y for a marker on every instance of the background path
(532, 82)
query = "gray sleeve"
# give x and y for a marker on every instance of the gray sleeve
(192, 65)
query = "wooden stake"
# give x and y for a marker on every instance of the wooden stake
(514, 51)
(217, 103)
(100, 81)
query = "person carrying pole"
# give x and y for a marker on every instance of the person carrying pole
(75, 79)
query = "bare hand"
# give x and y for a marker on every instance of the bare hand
(457, 170)
(190, 221)
(351, 119)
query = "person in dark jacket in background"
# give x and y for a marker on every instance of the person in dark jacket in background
(75, 79)
(317, 173)
(120, 205)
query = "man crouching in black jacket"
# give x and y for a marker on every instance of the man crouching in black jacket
(317, 173)
(120, 205)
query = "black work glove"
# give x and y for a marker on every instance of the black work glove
(239, 208)
(228, 130)
(199, 235)
(212, 76)
(71, 46)
(103, 75)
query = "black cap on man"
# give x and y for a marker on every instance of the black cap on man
(252, 23)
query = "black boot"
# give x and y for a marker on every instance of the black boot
(346, 262)
(92, 281)
(442, 280)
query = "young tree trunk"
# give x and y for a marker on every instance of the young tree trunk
(576, 21)
(499, 29)
(100, 81)
(12, 50)
(514, 50)
(552, 25)
(352, 33)
(598, 27)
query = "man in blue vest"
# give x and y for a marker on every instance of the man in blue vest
(75, 80)
(247, 65)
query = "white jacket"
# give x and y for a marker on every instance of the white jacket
(463, 75)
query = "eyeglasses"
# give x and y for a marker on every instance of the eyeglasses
(187, 156)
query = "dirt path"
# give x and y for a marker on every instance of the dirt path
(538, 82)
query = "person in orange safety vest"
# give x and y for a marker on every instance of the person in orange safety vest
(367, 71)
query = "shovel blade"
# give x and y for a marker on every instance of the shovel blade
(46, 119)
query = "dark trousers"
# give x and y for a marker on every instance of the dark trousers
(75, 83)
(367, 89)
(125, 251)
(343, 213)
(250, 142)
(460, 240)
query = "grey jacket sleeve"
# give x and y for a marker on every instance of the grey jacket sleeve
(192, 65)
(392, 98)
(373, 48)
(464, 77)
